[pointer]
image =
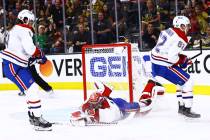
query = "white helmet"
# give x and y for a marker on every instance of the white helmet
(26, 16)
(181, 20)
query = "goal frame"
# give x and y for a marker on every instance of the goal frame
(129, 53)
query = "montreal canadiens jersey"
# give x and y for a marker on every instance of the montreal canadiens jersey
(171, 42)
(19, 45)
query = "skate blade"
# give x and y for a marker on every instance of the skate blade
(189, 119)
(37, 128)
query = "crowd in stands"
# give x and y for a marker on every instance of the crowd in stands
(156, 15)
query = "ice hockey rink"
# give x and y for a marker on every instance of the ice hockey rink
(162, 123)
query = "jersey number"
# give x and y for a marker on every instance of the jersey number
(161, 43)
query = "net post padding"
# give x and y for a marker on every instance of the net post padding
(129, 63)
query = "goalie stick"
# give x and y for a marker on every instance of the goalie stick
(129, 117)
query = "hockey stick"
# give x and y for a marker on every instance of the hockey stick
(201, 51)
(87, 124)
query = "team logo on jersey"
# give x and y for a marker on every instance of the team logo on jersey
(46, 69)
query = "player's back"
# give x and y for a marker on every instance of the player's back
(168, 46)
(14, 43)
(19, 46)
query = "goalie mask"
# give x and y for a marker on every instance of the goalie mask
(178, 21)
(26, 16)
(94, 98)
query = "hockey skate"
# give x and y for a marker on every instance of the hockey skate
(187, 112)
(180, 109)
(39, 123)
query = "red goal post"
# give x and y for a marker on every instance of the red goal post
(107, 63)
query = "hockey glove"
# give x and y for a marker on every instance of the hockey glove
(39, 56)
(183, 61)
(42, 59)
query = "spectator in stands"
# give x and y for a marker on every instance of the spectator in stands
(41, 39)
(57, 46)
(207, 8)
(150, 37)
(77, 8)
(149, 15)
(10, 20)
(55, 39)
(56, 12)
(102, 29)
(195, 28)
(106, 12)
(69, 8)
(206, 38)
(17, 9)
(69, 40)
(80, 38)
(120, 18)
(98, 5)
(202, 18)
(81, 20)
(163, 11)
(42, 18)
(48, 6)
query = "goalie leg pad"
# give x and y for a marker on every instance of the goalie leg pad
(158, 90)
(148, 88)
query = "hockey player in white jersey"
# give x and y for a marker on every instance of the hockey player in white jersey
(19, 48)
(168, 62)
(102, 108)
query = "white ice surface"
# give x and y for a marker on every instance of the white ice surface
(162, 123)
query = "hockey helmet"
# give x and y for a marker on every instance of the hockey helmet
(26, 16)
(181, 20)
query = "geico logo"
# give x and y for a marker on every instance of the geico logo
(112, 66)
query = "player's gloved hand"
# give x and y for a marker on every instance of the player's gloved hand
(32, 61)
(183, 61)
(39, 56)
(42, 59)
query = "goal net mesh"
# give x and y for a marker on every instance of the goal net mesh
(116, 65)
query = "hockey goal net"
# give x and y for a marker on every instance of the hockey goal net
(113, 64)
